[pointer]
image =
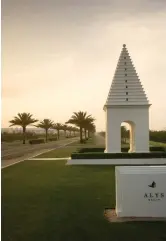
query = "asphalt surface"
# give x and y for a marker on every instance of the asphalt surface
(15, 152)
(100, 140)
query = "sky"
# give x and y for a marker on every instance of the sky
(59, 56)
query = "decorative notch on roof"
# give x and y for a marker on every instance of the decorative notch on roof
(126, 77)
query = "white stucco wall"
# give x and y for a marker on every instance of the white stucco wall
(137, 115)
(135, 195)
(130, 161)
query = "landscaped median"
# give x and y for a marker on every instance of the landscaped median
(67, 150)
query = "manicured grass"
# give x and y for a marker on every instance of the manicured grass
(46, 200)
(67, 150)
(153, 143)
(60, 152)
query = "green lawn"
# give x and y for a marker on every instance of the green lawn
(60, 152)
(48, 201)
(67, 150)
(153, 143)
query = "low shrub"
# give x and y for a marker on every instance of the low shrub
(157, 148)
(123, 149)
(10, 137)
(101, 155)
(52, 139)
(83, 150)
(151, 148)
(83, 141)
(36, 141)
(100, 149)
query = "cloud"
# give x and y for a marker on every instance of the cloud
(86, 9)
(64, 53)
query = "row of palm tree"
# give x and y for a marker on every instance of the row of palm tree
(84, 122)
(78, 119)
(47, 124)
(26, 119)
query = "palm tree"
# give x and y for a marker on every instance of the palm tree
(23, 120)
(70, 129)
(87, 124)
(64, 128)
(78, 119)
(124, 134)
(58, 127)
(75, 129)
(46, 124)
(91, 128)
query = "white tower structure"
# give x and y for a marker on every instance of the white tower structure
(127, 102)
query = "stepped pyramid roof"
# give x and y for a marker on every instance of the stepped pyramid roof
(126, 88)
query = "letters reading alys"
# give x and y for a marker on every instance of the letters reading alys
(154, 196)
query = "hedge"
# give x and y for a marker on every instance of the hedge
(158, 148)
(101, 155)
(36, 141)
(83, 150)
(123, 149)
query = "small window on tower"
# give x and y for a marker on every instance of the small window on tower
(125, 74)
(126, 93)
(125, 63)
(126, 99)
(125, 69)
(126, 86)
(126, 80)
(124, 57)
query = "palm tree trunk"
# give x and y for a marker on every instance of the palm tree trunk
(85, 133)
(58, 134)
(24, 134)
(46, 135)
(64, 133)
(80, 134)
(88, 133)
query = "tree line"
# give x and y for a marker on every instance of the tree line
(83, 123)
(124, 134)
(157, 136)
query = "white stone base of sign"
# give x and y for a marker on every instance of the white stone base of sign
(152, 161)
(111, 216)
(141, 191)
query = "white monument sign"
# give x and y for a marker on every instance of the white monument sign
(141, 191)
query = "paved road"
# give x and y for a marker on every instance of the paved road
(100, 140)
(19, 152)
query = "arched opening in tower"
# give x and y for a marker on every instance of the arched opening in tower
(128, 135)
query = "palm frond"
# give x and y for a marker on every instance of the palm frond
(23, 119)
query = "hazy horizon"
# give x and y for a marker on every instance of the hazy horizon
(60, 56)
